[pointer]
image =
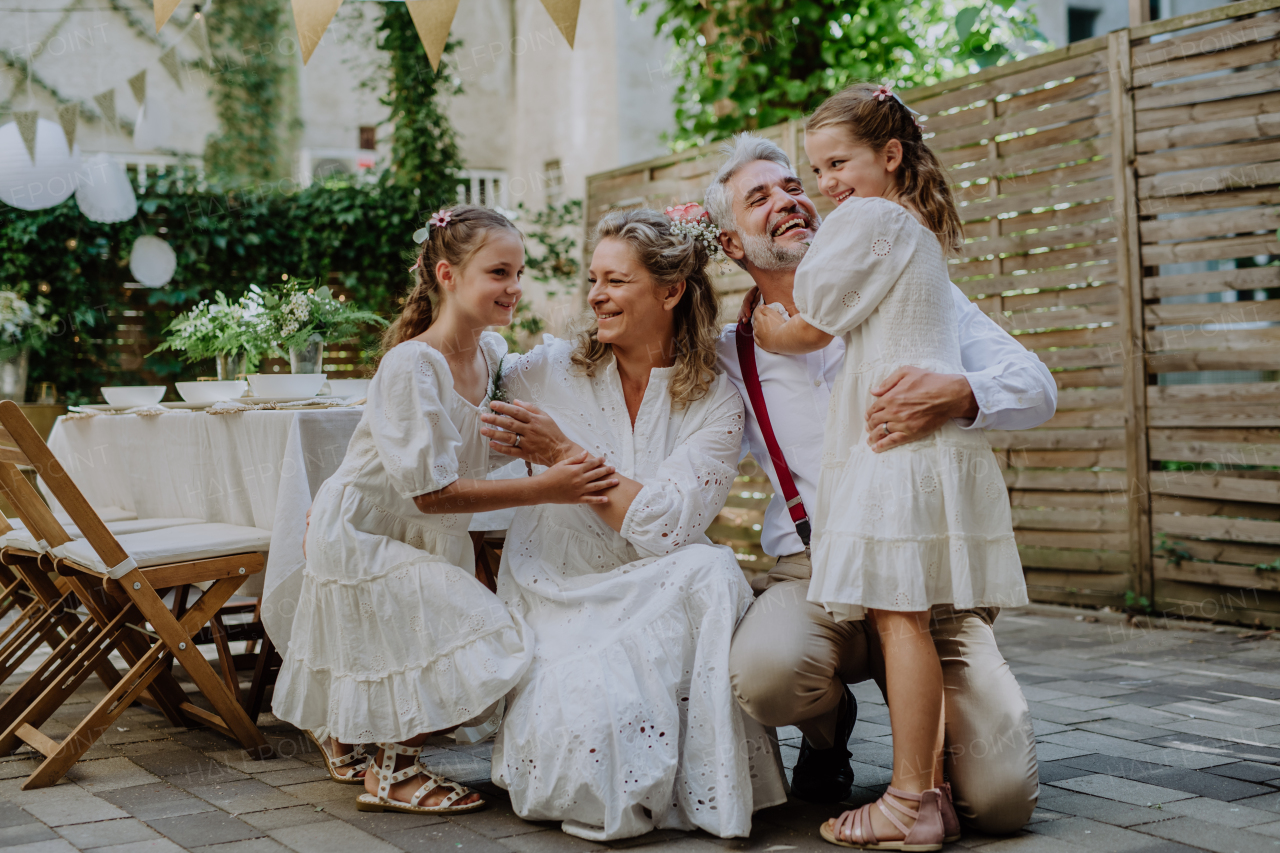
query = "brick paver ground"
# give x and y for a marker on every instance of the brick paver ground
(1150, 740)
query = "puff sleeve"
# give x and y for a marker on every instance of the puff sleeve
(858, 254)
(678, 504)
(416, 439)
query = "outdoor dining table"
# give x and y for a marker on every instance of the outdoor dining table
(258, 468)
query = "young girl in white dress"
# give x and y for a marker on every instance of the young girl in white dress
(394, 638)
(919, 524)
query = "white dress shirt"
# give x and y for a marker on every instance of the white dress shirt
(1013, 388)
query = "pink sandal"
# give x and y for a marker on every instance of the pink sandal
(950, 821)
(853, 828)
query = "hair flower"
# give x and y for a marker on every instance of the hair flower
(883, 92)
(440, 218)
(692, 220)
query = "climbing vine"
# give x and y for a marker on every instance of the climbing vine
(252, 45)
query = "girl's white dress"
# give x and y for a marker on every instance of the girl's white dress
(927, 522)
(626, 721)
(394, 636)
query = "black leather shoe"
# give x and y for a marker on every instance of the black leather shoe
(825, 775)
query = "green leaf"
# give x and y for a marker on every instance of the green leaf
(965, 19)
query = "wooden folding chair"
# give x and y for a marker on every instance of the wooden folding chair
(120, 581)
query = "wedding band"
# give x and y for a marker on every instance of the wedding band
(886, 429)
(516, 443)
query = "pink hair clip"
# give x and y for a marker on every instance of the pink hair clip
(416, 264)
(440, 218)
(882, 93)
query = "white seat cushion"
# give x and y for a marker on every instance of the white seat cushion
(106, 513)
(172, 545)
(19, 537)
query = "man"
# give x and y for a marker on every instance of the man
(790, 662)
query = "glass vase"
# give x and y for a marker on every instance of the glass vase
(231, 364)
(13, 374)
(308, 358)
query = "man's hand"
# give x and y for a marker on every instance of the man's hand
(748, 304)
(916, 403)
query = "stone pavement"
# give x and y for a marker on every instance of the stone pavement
(1150, 740)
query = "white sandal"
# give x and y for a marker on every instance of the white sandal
(387, 775)
(357, 756)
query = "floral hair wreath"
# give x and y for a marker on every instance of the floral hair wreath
(884, 92)
(692, 220)
(439, 219)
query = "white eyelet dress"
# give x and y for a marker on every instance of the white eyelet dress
(927, 522)
(394, 636)
(626, 720)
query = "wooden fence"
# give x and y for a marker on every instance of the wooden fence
(1119, 198)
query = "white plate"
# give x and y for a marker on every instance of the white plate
(103, 407)
(256, 401)
(194, 407)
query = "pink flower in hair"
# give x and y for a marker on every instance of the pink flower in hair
(440, 218)
(690, 211)
(882, 93)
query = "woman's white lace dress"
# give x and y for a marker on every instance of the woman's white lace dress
(394, 636)
(927, 522)
(625, 722)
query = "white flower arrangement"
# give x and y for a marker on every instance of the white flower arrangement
(21, 323)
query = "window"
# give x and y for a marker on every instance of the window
(368, 138)
(1080, 23)
(555, 181)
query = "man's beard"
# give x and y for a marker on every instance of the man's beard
(765, 253)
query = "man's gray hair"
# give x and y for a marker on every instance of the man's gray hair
(739, 151)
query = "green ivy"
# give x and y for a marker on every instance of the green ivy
(250, 82)
(752, 65)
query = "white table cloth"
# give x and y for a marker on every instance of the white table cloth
(258, 469)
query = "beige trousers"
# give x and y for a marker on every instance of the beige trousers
(790, 661)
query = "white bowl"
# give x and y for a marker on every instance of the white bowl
(212, 392)
(286, 384)
(348, 387)
(132, 395)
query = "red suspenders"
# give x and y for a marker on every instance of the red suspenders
(751, 377)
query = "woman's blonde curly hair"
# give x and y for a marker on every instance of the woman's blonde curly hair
(669, 257)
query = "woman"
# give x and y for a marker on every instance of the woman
(625, 721)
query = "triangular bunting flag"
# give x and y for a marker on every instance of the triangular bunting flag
(138, 83)
(163, 9)
(565, 15)
(312, 18)
(106, 102)
(68, 115)
(169, 59)
(432, 19)
(26, 120)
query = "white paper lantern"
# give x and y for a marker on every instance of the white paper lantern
(107, 194)
(50, 180)
(152, 261)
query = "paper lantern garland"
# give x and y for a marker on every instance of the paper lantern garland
(152, 261)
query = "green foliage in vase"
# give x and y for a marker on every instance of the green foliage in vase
(217, 327)
(297, 310)
(752, 65)
(23, 323)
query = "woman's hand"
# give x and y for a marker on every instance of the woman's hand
(526, 432)
(577, 480)
(765, 322)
